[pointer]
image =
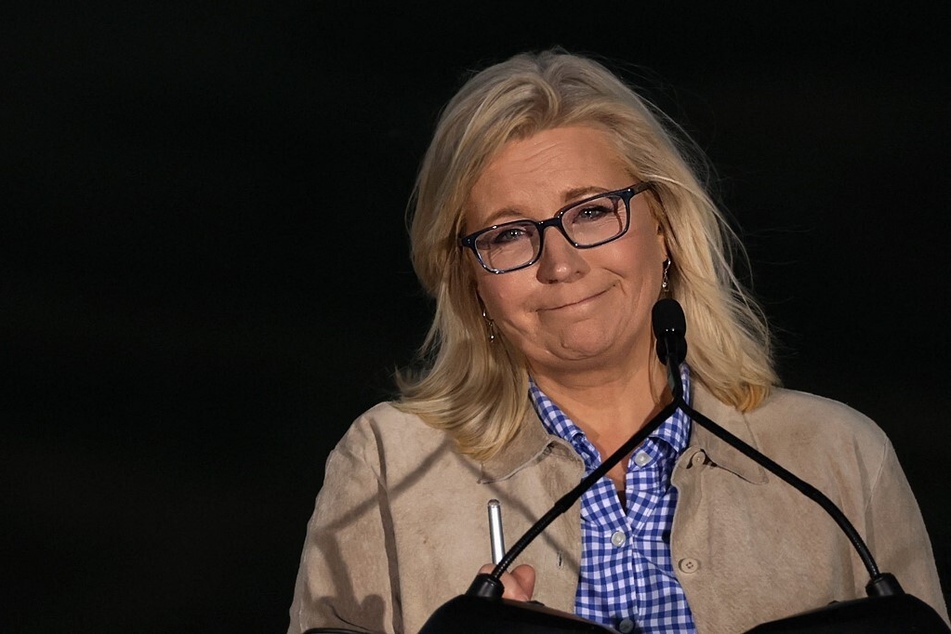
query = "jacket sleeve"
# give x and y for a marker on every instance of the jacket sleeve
(346, 573)
(897, 535)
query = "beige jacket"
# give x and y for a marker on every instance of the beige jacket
(400, 525)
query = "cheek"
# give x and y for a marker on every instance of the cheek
(651, 253)
(500, 294)
(640, 260)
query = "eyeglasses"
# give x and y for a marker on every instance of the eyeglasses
(585, 224)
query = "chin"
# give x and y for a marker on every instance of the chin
(584, 352)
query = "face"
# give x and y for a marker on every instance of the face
(574, 310)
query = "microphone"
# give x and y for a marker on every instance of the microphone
(887, 608)
(670, 329)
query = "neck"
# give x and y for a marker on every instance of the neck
(608, 406)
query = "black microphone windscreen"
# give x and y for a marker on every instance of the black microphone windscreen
(668, 316)
(670, 327)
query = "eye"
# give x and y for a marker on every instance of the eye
(507, 235)
(594, 210)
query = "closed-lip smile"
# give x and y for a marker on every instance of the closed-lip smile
(576, 303)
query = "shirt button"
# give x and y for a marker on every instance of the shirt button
(618, 538)
(641, 458)
(688, 565)
(625, 626)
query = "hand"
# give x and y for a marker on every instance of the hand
(519, 584)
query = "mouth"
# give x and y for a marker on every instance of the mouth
(575, 303)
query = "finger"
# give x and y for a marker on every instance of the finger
(518, 585)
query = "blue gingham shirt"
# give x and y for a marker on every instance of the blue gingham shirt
(627, 577)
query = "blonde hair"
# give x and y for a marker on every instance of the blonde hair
(477, 389)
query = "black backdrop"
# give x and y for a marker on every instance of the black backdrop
(205, 272)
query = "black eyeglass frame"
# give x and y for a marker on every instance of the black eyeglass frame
(625, 194)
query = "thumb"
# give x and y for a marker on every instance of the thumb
(525, 576)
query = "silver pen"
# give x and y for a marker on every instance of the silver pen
(496, 539)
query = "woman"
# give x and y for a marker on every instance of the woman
(552, 210)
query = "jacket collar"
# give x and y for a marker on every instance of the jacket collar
(532, 442)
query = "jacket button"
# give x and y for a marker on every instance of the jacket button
(688, 565)
(698, 459)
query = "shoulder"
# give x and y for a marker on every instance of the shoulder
(800, 413)
(385, 423)
(789, 417)
(387, 435)
(818, 435)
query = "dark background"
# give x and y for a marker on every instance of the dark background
(205, 276)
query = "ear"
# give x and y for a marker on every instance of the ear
(662, 240)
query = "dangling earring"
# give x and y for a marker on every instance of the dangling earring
(492, 333)
(490, 326)
(665, 282)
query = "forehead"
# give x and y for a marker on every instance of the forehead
(552, 155)
(540, 173)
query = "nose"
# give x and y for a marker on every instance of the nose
(559, 260)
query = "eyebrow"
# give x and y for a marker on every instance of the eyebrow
(513, 213)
